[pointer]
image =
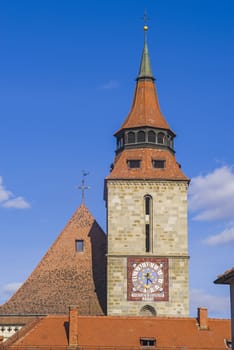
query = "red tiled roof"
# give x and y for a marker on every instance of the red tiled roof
(107, 331)
(51, 330)
(171, 171)
(145, 110)
(64, 276)
(226, 278)
(29, 324)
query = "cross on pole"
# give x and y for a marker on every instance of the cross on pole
(145, 20)
(145, 17)
(83, 187)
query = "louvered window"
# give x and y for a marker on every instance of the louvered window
(134, 163)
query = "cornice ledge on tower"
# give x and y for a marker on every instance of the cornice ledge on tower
(140, 179)
(170, 256)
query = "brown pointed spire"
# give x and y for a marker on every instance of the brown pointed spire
(145, 109)
(145, 67)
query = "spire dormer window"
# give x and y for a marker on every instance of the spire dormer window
(158, 163)
(134, 163)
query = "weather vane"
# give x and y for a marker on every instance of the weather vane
(83, 187)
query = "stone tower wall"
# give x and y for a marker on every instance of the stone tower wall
(126, 237)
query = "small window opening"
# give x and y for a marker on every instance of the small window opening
(158, 163)
(147, 205)
(148, 310)
(141, 136)
(79, 245)
(148, 224)
(131, 137)
(148, 342)
(119, 142)
(147, 238)
(151, 136)
(161, 137)
(168, 140)
(228, 343)
(134, 163)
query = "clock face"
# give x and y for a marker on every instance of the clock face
(147, 279)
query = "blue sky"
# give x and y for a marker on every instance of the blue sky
(67, 71)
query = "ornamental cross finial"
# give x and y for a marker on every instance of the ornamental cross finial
(145, 17)
(83, 187)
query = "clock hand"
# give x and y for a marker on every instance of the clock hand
(147, 275)
(147, 278)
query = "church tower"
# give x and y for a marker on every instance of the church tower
(146, 200)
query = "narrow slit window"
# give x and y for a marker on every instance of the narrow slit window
(147, 205)
(148, 224)
(79, 245)
(147, 238)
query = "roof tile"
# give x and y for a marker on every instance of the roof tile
(112, 331)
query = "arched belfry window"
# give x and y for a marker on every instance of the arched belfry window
(131, 137)
(148, 223)
(161, 137)
(141, 136)
(151, 136)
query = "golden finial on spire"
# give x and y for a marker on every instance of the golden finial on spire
(145, 19)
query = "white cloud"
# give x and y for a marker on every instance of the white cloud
(211, 197)
(11, 287)
(226, 236)
(8, 200)
(4, 194)
(18, 203)
(112, 84)
(7, 290)
(216, 305)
